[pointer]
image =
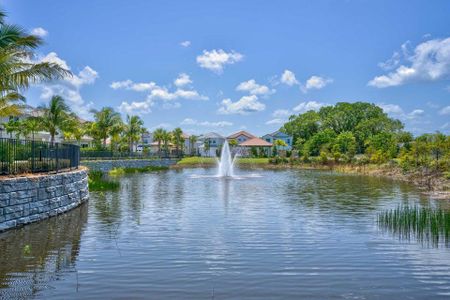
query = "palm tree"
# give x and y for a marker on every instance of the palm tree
(177, 136)
(166, 137)
(106, 122)
(17, 69)
(158, 137)
(56, 116)
(133, 130)
(192, 141)
(33, 125)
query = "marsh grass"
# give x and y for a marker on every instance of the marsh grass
(98, 182)
(123, 171)
(428, 226)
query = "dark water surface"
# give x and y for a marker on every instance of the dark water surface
(285, 235)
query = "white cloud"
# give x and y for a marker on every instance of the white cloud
(307, 106)
(171, 105)
(161, 92)
(135, 108)
(185, 44)
(392, 109)
(166, 126)
(215, 60)
(281, 113)
(317, 82)
(193, 122)
(275, 121)
(253, 88)
(130, 85)
(396, 111)
(288, 77)
(430, 61)
(245, 105)
(69, 87)
(416, 113)
(445, 111)
(182, 80)
(39, 31)
(164, 94)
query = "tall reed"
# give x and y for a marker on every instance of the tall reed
(428, 226)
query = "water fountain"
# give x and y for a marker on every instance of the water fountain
(226, 162)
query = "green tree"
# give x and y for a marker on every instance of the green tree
(166, 138)
(56, 116)
(33, 125)
(303, 126)
(106, 121)
(158, 136)
(133, 130)
(382, 147)
(345, 143)
(192, 141)
(17, 69)
(178, 140)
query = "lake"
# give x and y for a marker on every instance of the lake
(181, 234)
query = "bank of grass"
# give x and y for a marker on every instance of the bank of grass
(123, 171)
(98, 182)
(212, 161)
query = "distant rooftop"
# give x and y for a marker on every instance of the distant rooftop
(255, 142)
(242, 132)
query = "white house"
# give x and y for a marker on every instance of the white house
(209, 143)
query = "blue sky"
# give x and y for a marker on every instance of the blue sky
(244, 64)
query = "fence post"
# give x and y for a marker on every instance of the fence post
(32, 156)
(57, 162)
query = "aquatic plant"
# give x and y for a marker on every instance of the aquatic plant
(98, 182)
(427, 225)
(122, 171)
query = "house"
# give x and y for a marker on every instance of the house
(278, 135)
(210, 143)
(240, 136)
(259, 145)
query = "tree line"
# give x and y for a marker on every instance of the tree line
(362, 131)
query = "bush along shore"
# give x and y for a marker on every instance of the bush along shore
(102, 181)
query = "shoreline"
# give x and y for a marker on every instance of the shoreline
(433, 184)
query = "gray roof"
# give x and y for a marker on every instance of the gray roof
(211, 135)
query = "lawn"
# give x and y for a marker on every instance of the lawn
(198, 161)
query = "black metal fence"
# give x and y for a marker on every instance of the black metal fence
(26, 156)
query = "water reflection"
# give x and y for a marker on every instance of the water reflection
(36, 255)
(283, 235)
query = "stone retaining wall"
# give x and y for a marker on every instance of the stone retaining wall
(107, 165)
(28, 199)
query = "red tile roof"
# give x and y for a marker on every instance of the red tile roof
(255, 142)
(242, 132)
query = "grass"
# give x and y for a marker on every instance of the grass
(193, 161)
(426, 225)
(97, 182)
(122, 171)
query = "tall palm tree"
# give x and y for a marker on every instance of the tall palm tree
(158, 137)
(106, 122)
(56, 116)
(166, 137)
(192, 141)
(177, 136)
(17, 68)
(134, 130)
